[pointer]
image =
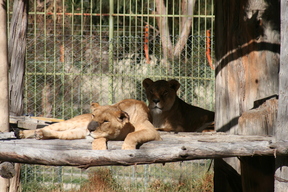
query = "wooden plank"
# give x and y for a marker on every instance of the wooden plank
(45, 119)
(27, 122)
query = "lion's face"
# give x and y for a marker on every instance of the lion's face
(107, 122)
(160, 94)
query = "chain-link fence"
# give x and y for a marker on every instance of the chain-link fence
(80, 52)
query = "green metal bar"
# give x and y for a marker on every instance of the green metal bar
(119, 14)
(45, 53)
(90, 47)
(100, 21)
(63, 64)
(72, 60)
(127, 75)
(81, 56)
(111, 36)
(35, 59)
(55, 61)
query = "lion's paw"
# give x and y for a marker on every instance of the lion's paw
(128, 147)
(18, 133)
(39, 134)
(98, 147)
(99, 144)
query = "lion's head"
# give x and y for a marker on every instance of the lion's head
(108, 122)
(161, 94)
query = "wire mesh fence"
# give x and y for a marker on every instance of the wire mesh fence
(182, 176)
(55, 88)
(80, 52)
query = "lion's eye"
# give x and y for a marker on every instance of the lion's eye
(93, 116)
(105, 121)
(165, 93)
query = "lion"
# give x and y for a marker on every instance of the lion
(126, 120)
(170, 113)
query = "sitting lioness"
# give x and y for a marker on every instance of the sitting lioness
(170, 113)
(127, 120)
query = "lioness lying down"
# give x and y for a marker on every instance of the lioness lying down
(126, 120)
(170, 113)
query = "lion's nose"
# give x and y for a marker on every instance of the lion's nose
(156, 101)
(93, 125)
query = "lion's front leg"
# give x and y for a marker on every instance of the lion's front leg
(24, 134)
(99, 144)
(139, 137)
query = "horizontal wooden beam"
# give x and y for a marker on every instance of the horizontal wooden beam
(174, 147)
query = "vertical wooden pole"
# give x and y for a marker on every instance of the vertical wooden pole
(16, 55)
(281, 133)
(16, 58)
(4, 95)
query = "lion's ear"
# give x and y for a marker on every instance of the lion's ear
(147, 82)
(174, 84)
(93, 106)
(124, 117)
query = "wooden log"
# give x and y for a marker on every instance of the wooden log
(7, 170)
(174, 147)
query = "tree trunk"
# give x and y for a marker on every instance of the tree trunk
(247, 54)
(182, 147)
(281, 173)
(169, 50)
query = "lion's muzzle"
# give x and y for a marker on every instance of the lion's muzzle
(92, 126)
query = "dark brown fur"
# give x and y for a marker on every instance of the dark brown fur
(170, 113)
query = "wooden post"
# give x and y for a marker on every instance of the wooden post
(281, 133)
(247, 53)
(4, 95)
(16, 58)
(16, 55)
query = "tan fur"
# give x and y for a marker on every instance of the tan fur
(170, 113)
(127, 120)
(75, 128)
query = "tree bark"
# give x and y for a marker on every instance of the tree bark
(247, 54)
(16, 57)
